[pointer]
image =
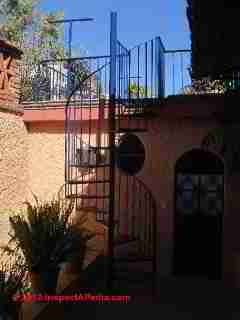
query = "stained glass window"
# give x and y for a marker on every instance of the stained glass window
(187, 181)
(211, 195)
(186, 198)
(211, 182)
(202, 192)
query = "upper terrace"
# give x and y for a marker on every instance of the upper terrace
(147, 73)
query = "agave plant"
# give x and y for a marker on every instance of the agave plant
(45, 235)
(12, 282)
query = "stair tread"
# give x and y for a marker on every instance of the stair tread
(122, 130)
(135, 258)
(84, 196)
(86, 166)
(87, 181)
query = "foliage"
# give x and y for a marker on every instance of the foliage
(45, 236)
(12, 281)
(225, 141)
(31, 30)
(24, 25)
(214, 51)
(205, 86)
(136, 90)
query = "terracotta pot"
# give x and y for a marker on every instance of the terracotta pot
(15, 310)
(44, 281)
(75, 266)
(36, 284)
(10, 309)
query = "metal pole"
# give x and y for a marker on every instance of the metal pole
(112, 93)
(70, 41)
(160, 67)
(69, 61)
(157, 68)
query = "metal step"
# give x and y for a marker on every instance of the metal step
(130, 130)
(100, 148)
(84, 196)
(90, 166)
(140, 102)
(87, 181)
(131, 276)
(131, 154)
(132, 259)
(123, 242)
(141, 115)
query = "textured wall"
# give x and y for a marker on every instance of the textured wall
(165, 142)
(13, 166)
(34, 160)
(46, 159)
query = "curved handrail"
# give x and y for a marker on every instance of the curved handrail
(137, 207)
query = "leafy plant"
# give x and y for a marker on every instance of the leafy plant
(136, 90)
(12, 281)
(45, 236)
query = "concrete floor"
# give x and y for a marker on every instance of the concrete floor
(176, 298)
(183, 299)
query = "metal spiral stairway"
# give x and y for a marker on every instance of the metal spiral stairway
(94, 131)
(88, 183)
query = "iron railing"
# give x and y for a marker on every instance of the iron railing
(177, 72)
(147, 70)
(147, 73)
(53, 80)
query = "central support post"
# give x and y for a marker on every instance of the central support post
(112, 128)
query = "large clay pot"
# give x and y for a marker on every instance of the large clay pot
(9, 309)
(36, 284)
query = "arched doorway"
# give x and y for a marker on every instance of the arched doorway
(199, 207)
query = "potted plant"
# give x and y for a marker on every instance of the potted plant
(46, 238)
(12, 282)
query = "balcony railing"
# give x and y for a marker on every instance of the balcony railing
(148, 71)
(53, 81)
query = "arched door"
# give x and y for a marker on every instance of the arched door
(199, 207)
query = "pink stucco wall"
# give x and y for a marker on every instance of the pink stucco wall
(178, 127)
(166, 141)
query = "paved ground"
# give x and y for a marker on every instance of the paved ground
(185, 299)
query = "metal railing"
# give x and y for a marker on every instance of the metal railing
(146, 72)
(177, 72)
(53, 80)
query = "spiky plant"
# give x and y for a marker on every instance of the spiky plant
(45, 235)
(12, 282)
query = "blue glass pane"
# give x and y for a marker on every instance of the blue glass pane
(187, 181)
(187, 202)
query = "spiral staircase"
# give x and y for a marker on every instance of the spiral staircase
(97, 123)
(88, 181)
(94, 130)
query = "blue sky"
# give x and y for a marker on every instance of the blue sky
(138, 21)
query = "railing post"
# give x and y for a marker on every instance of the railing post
(159, 68)
(112, 93)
